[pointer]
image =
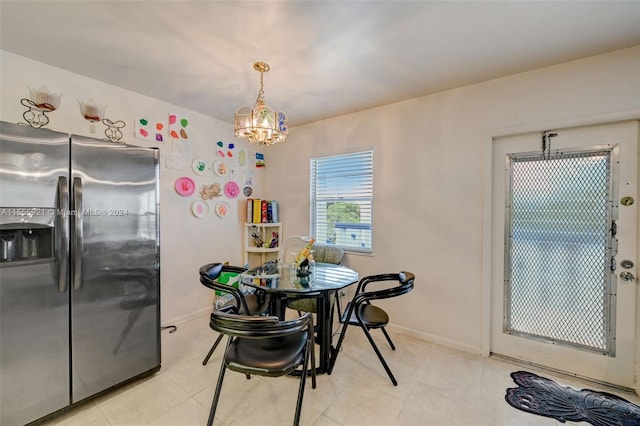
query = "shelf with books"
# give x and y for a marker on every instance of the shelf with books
(262, 211)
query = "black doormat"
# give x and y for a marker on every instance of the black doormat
(544, 397)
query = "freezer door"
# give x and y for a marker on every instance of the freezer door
(34, 301)
(115, 314)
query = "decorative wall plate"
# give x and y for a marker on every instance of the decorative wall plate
(231, 189)
(199, 208)
(199, 166)
(185, 186)
(222, 208)
(220, 168)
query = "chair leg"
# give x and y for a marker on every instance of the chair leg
(384, 331)
(313, 363)
(377, 351)
(216, 396)
(334, 354)
(213, 348)
(303, 377)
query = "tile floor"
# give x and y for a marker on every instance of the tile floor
(437, 386)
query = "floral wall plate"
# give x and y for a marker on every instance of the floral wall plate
(231, 189)
(222, 208)
(185, 186)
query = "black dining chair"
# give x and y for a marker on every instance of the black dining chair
(265, 346)
(362, 313)
(256, 303)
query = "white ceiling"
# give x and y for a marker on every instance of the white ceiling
(327, 57)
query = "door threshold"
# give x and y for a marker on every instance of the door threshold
(573, 376)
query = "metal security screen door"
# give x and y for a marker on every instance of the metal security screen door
(558, 236)
(558, 228)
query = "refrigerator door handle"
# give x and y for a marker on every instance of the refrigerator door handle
(77, 240)
(62, 234)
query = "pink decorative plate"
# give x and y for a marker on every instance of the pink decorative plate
(231, 189)
(185, 186)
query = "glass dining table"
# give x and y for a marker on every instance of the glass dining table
(285, 283)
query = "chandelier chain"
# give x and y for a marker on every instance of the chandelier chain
(261, 92)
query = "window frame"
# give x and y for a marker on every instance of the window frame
(361, 166)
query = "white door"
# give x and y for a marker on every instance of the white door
(564, 261)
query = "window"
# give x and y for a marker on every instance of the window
(341, 200)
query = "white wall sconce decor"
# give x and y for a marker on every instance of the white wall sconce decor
(40, 102)
(92, 112)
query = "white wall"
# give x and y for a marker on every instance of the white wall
(430, 170)
(186, 242)
(430, 162)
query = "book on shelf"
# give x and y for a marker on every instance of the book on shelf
(257, 207)
(262, 211)
(274, 211)
(269, 212)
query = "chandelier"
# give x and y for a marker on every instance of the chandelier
(260, 125)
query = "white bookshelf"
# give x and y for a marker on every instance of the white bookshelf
(254, 255)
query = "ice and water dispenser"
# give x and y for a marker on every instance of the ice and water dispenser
(25, 236)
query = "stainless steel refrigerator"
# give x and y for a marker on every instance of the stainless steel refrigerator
(79, 269)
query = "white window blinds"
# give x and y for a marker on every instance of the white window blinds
(341, 200)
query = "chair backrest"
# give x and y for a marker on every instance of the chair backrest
(208, 277)
(405, 284)
(291, 247)
(325, 253)
(257, 327)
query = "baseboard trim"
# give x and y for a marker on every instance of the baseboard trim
(184, 318)
(464, 347)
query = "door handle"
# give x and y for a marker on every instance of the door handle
(62, 234)
(78, 233)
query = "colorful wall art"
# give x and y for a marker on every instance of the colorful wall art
(178, 127)
(225, 149)
(150, 130)
(211, 191)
